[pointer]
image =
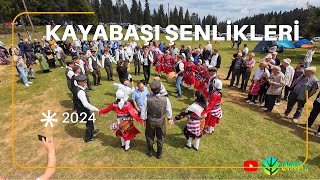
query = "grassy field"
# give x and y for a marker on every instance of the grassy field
(245, 132)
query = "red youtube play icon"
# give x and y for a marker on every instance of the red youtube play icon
(250, 166)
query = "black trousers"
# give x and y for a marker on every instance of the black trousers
(245, 79)
(292, 100)
(270, 101)
(96, 76)
(109, 71)
(146, 73)
(314, 113)
(52, 63)
(89, 124)
(137, 68)
(229, 73)
(252, 98)
(235, 75)
(286, 92)
(155, 128)
(30, 56)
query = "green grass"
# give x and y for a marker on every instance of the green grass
(245, 132)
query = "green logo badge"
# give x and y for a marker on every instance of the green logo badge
(271, 165)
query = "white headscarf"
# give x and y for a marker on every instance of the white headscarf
(120, 96)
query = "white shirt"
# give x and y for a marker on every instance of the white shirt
(88, 53)
(133, 45)
(77, 43)
(308, 57)
(82, 96)
(288, 76)
(90, 62)
(259, 73)
(181, 65)
(128, 50)
(58, 52)
(144, 109)
(81, 65)
(214, 60)
(209, 47)
(246, 50)
(70, 73)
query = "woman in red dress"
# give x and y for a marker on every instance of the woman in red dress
(189, 73)
(168, 63)
(123, 126)
(214, 109)
(158, 62)
(199, 76)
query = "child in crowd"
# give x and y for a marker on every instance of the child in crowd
(254, 91)
(263, 90)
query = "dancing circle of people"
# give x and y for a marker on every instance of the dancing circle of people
(196, 68)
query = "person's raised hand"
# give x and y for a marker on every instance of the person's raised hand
(48, 144)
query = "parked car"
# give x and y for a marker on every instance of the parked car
(316, 39)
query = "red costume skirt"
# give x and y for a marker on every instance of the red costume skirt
(167, 69)
(129, 134)
(198, 84)
(159, 68)
(188, 79)
(212, 121)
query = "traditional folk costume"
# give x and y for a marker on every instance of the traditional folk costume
(195, 125)
(158, 63)
(214, 107)
(200, 74)
(168, 63)
(189, 75)
(123, 126)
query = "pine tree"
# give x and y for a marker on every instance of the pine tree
(96, 7)
(161, 16)
(140, 14)
(107, 11)
(174, 17)
(180, 16)
(134, 12)
(187, 18)
(155, 18)
(146, 14)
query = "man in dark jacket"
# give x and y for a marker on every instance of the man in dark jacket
(153, 112)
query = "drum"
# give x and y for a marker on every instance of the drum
(171, 77)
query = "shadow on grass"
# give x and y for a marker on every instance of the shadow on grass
(66, 103)
(75, 131)
(114, 142)
(175, 140)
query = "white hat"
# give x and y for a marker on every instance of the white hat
(287, 60)
(218, 84)
(311, 68)
(120, 96)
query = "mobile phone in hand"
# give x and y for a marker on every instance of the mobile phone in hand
(40, 137)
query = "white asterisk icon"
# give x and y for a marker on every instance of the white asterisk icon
(49, 119)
